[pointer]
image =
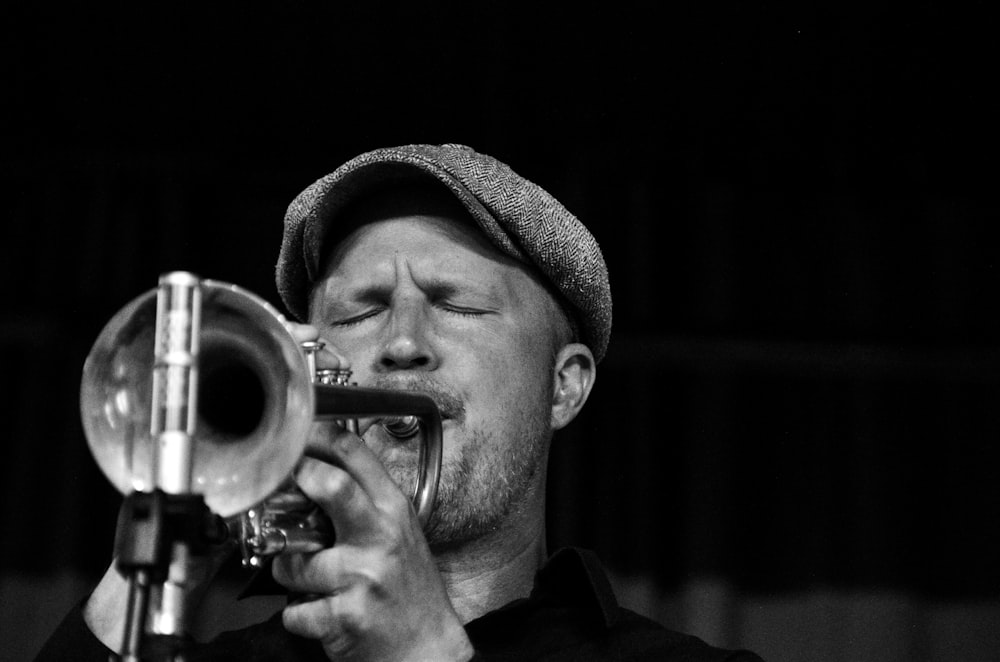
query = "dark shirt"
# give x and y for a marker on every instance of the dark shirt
(571, 615)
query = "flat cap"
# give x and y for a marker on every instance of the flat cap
(518, 216)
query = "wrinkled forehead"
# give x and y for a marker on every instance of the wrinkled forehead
(400, 201)
(443, 258)
(437, 213)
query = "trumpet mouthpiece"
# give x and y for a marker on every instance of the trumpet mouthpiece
(401, 427)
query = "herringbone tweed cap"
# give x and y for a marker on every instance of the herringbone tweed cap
(518, 216)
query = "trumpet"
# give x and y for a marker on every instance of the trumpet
(258, 394)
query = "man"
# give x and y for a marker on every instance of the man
(438, 269)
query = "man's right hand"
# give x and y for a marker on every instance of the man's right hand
(377, 594)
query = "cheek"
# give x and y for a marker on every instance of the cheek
(513, 379)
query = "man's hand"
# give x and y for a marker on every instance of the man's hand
(377, 593)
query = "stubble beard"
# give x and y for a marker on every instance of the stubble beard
(480, 490)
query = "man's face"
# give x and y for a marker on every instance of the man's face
(424, 302)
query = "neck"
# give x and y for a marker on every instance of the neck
(491, 571)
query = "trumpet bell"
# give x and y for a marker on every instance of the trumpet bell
(255, 406)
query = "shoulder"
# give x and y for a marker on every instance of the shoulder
(574, 615)
(636, 638)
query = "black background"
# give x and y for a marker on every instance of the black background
(796, 204)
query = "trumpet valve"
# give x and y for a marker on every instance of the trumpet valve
(333, 376)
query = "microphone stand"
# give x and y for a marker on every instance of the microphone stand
(160, 532)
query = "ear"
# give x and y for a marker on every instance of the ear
(573, 376)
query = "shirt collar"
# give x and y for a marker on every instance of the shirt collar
(575, 576)
(572, 578)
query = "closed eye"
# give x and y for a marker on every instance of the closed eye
(356, 319)
(464, 311)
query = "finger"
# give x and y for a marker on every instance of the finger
(327, 572)
(303, 332)
(336, 621)
(349, 452)
(323, 438)
(350, 509)
(329, 356)
(324, 434)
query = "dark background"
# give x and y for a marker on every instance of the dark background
(796, 205)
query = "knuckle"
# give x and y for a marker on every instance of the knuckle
(339, 624)
(399, 515)
(347, 614)
(336, 483)
(321, 481)
(395, 545)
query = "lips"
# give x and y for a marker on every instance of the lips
(449, 405)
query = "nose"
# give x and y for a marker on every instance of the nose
(407, 345)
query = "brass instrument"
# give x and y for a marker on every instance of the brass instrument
(257, 396)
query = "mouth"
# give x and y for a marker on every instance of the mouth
(448, 403)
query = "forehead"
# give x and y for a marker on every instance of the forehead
(399, 200)
(406, 217)
(427, 238)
